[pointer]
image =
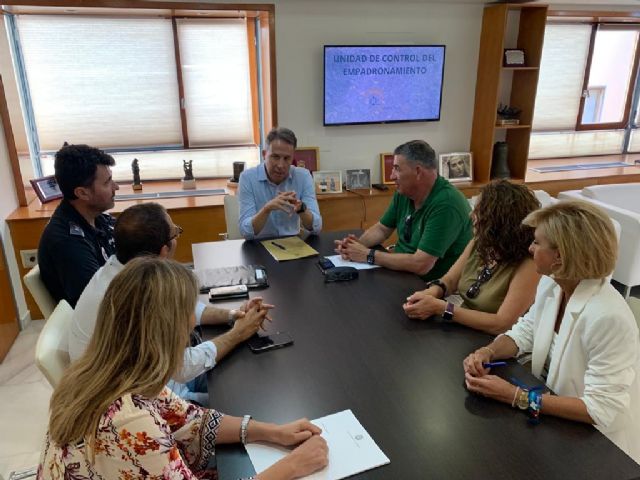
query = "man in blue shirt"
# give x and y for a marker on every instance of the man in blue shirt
(276, 197)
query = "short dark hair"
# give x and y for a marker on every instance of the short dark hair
(142, 229)
(76, 165)
(284, 134)
(418, 151)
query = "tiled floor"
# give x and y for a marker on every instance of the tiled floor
(24, 404)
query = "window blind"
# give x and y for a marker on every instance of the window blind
(562, 68)
(214, 54)
(107, 82)
(576, 144)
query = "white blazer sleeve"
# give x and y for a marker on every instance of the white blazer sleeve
(611, 347)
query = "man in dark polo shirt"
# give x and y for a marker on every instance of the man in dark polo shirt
(430, 215)
(78, 239)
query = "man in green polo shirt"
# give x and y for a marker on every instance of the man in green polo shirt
(430, 215)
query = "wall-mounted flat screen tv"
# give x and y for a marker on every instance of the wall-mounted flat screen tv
(382, 83)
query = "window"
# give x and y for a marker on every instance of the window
(215, 58)
(151, 86)
(584, 92)
(107, 82)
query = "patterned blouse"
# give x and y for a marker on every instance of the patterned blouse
(138, 437)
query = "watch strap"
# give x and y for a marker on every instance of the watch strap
(371, 257)
(448, 312)
(243, 429)
(302, 209)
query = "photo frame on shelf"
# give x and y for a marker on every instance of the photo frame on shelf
(456, 166)
(46, 188)
(386, 168)
(307, 157)
(359, 179)
(328, 181)
(513, 57)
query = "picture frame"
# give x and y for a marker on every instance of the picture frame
(46, 188)
(456, 166)
(307, 157)
(513, 57)
(327, 181)
(386, 168)
(359, 178)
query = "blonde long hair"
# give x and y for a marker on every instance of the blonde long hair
(142, 330)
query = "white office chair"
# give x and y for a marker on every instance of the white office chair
(52, 356)
(634, 304)
(40, 294)
(231, 217)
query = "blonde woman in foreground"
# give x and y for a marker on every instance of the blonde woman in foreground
(580, 331)
(113, 417)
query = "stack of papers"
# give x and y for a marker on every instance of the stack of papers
(351, 449)
(288, 248)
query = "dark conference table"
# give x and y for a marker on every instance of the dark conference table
(355, 349)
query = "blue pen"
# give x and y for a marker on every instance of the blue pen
(494, 364)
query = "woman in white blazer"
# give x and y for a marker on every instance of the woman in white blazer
(582, 335)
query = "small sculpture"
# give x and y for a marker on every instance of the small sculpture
(188, 169)
(508, 115)
(135, 168)
(188, 182)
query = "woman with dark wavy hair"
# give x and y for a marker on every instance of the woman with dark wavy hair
(495, 275)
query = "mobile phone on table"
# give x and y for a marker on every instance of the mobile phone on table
(263, 343)
(325, 264)
(224, 293)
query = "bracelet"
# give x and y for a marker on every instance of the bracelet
(522, 399)
(513, 403)
(535, 404)
(243, 429)
(493, 352)
(232, 317)
(438, 283)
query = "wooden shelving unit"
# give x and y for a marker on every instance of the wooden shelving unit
(492, 74)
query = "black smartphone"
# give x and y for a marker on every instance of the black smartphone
(325, 264)
(259, 344)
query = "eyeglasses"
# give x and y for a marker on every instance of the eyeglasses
(177, 233)
(408, 222)
(483, 276)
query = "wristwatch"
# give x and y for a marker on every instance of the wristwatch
(231, 320)
(371, 257)
(302, 209)
(448, 312)
(522, 401)
(440, 284)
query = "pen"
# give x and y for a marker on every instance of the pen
(494, 364)
(278, 245)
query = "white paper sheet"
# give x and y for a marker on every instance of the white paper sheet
(351, 449)
(339, 262)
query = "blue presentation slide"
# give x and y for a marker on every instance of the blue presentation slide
(371, 84)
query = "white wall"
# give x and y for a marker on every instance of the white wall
(302, 28)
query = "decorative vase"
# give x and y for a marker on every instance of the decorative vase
(499, 163)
